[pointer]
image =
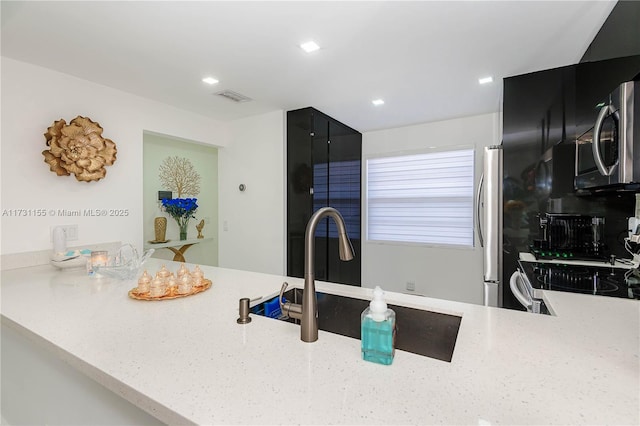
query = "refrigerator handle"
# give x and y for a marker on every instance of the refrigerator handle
(478, 219)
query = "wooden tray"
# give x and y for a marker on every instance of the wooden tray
(172, 294)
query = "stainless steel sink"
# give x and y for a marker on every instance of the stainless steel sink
(426, 333)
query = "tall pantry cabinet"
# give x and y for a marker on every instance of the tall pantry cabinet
(324, 163)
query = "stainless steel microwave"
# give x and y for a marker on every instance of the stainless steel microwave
(608, 155)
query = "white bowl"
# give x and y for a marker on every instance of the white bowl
(70, 263)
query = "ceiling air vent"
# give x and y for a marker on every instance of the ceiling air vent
(234, 96)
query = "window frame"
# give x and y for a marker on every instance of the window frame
(429, 150)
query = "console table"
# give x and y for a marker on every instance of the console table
(178, 247)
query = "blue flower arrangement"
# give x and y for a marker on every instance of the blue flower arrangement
(181, 209)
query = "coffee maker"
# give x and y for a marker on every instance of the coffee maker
(570, 237)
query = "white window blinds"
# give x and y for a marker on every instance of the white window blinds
(422, 198)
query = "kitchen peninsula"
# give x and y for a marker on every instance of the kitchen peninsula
(187, 360)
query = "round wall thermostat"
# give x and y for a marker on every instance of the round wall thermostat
(242, 187)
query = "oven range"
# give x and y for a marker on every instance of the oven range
(609, 281)
(597, 280)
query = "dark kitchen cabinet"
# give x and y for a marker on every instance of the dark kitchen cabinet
(539, 108)
(538, 128)
(619, 36)
(539, 115)
(324, 163)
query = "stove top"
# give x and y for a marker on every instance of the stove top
(568, 254)
(597, 280)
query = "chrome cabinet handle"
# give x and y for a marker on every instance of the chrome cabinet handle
(595, 144)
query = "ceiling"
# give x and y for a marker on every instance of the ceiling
(424, 58)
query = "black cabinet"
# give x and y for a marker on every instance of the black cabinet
(619, 36)
(538, 120)
(539, 108)
(324, 163)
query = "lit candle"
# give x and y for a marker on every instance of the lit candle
(164, 273)
(98, 258)
(157, 288)
(183, 270)
(185, 284)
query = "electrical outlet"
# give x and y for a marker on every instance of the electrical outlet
(411, 286)
(70, 232)
(225, 226)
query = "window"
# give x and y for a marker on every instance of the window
(424, 198)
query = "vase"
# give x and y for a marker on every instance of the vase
(183, 231)
(160, 228)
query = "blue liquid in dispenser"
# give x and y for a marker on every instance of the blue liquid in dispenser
(378, 325)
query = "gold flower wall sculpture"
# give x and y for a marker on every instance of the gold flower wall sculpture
(78, 148)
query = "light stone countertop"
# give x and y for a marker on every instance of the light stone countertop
(187, 361)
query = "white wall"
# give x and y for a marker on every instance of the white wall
(252, 223)
(32, 99)
(446, 273)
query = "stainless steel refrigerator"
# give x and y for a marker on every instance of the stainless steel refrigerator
(489, 223)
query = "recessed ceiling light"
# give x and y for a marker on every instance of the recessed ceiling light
(210, 80)
(310, 46)
(377, 102)
(485, 80)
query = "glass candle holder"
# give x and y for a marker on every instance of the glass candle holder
(98, 258)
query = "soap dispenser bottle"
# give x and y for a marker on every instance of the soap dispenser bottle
(378, 330)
